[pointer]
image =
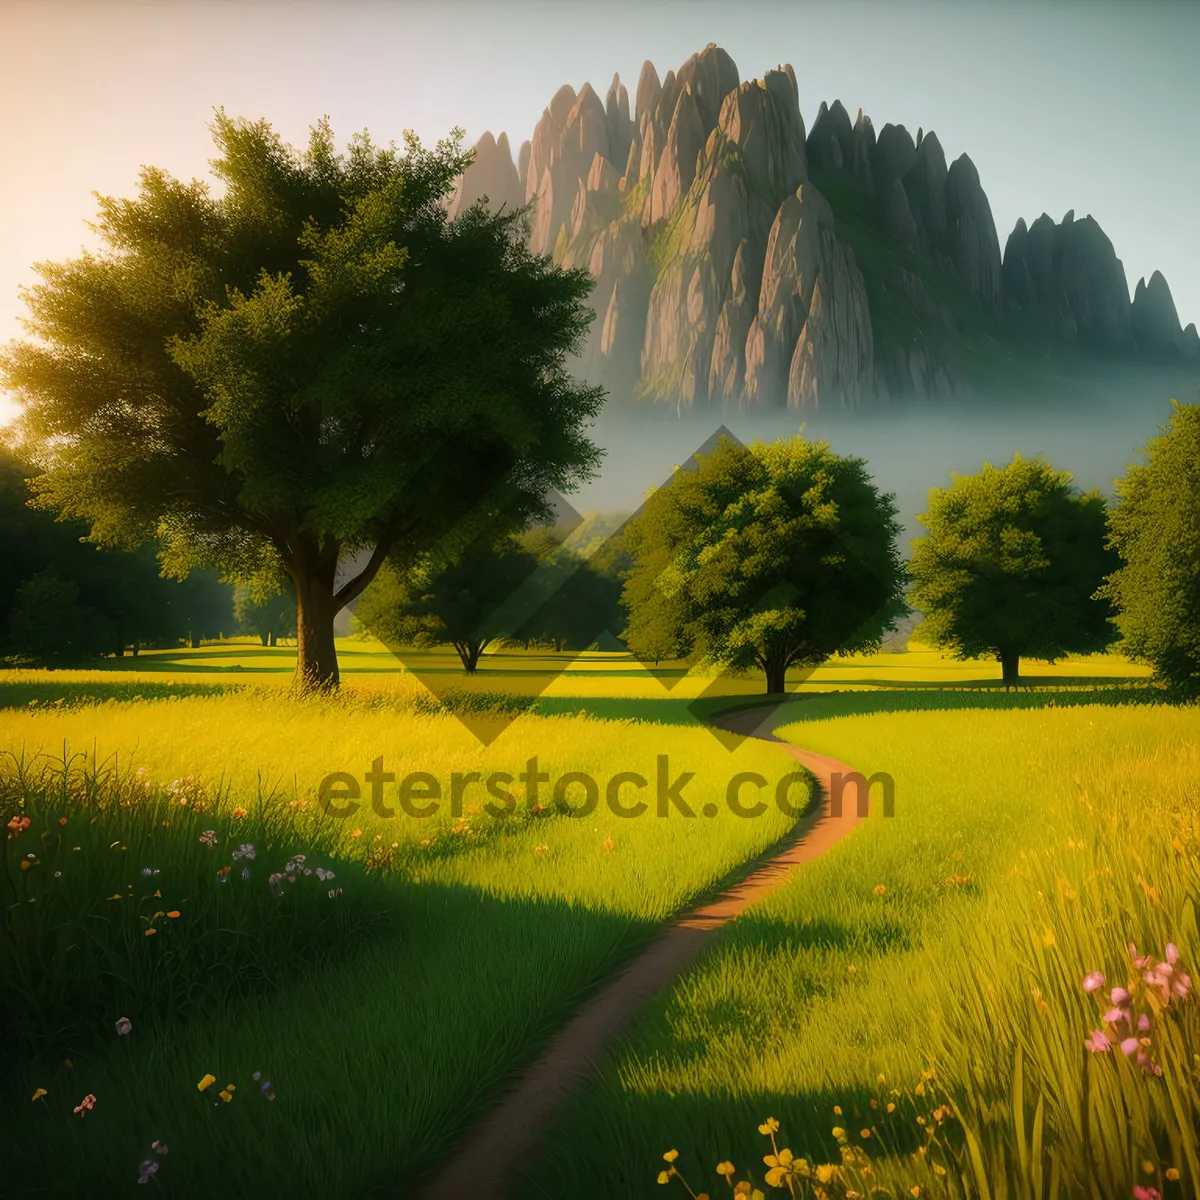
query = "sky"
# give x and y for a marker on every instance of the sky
(1085, 106)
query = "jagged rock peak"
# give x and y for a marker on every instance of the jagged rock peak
(829, 141)
(972, 243)
(1153, 315)
(648, 91)
(1069, 274)
(492, 174)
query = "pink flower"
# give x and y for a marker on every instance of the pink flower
(1146, 1193)
(1093, 981)
(1098, 1041)
(1172, 953)
(86, 1104)
(1119, 996)
(1143, 1022)
(1139, 961)
(1129, 1045)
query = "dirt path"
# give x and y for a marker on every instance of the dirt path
(483, 1166)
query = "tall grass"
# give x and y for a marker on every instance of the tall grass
(383, 1017)
(935, 962)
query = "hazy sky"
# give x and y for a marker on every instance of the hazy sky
(1090, 106)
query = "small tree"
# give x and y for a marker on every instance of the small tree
(315, 369)
(462, 603)
(268, 615)
(766, 556)
(1155, 528)
(574, 599)
(1011, 565)
(50, 626)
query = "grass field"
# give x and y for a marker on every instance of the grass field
(386, 1014)
(471, 933)
(1028, 848)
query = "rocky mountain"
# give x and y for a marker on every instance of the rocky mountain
(742, 261)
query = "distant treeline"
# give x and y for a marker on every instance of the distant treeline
(65, 601)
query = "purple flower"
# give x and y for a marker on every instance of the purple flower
(209, 838)
(245, 850)
(146, 1168)
(1098, 1042)
(1093, 981)
(124, 1025)
(159, 1147)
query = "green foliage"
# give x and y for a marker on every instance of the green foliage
(464, 603)
(764, 556)
(182, 938)
(62, 600)
(1011, 566)
(574, 599)
(48, 624)
(269, 616)
(1155, 528)
(313, 363)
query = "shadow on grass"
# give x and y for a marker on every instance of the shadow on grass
(824, 705)
(381, 1060)
(47, 693)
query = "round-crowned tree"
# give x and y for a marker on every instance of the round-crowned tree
(1011, 565)
(308, 372)
(1155, 528)
(765, 556)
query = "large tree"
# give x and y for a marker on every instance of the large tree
(1010, 566)
(1155, 528)
(313, 368)
(769, 556)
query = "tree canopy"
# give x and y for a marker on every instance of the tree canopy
(769, 556)
(311, 369)
(1010, 566)
(1155, 528)
(460, 603)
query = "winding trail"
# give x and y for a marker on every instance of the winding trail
(485, 1163)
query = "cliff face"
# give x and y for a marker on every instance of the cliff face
(740, 261)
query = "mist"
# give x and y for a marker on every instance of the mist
(910, 446)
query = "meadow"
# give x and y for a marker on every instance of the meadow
(364, 1018)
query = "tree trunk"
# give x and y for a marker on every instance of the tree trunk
(195, 641)
(468, 653)
(776, 676)
(316, 651)
(272, 639)
(1010, 668)
(137, 647)
(264, 638)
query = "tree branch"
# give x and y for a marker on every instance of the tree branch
(353, 588)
